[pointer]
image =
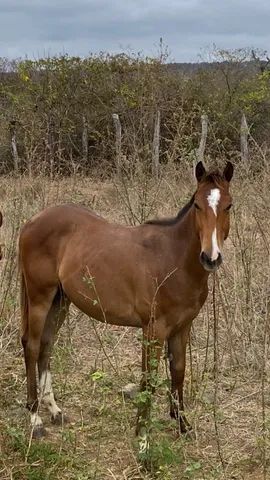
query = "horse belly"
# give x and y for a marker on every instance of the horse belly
(101, 302)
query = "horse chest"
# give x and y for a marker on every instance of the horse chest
(185, 311)
(184, 302)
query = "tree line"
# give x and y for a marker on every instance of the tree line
(56, 114)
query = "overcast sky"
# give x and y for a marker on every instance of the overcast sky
(36, 27)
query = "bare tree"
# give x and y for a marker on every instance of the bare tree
(263, 64)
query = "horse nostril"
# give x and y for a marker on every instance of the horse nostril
(206, 259)
(208, 263)
(219, 259)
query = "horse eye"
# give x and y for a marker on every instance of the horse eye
(196, 206)
(228, 208)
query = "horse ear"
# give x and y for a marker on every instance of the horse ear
(199, 171)
(228, 171)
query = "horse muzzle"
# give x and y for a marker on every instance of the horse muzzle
(208, 264)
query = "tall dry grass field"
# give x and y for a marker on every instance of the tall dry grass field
(227, 381)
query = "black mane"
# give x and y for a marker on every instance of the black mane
(212, 177)
(173, 220)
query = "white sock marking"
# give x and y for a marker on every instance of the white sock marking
(213, 199)
(46, 393)
(35, 420)
(143, 444)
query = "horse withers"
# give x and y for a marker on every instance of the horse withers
(152, 276)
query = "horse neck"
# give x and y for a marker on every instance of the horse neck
(188, 241)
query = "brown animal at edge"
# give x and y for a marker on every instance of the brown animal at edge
(152, 276)
(1, 222)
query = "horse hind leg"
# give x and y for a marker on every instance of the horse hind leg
(38, 306)
(54, 320)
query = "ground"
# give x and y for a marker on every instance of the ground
(227, 393)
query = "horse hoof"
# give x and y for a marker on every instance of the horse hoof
(130, 391)
(39, 432)
(59, 419)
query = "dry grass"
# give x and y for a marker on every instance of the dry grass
(227, 400)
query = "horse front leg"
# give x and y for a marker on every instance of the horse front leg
(177, 357)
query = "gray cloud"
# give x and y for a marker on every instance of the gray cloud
(35, 27)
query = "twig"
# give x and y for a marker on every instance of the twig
(216, 372)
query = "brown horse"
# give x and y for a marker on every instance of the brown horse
(152, 276)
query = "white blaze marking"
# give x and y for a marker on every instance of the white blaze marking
(215, 249)
(213, 200)
(46, 393)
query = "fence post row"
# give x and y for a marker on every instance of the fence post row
(244, 133)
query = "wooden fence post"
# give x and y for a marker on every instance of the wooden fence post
(201, 149)
(118, 141)
(49, 142)
(14, 149)
(155, 148)
(244, 131)
(85, 139)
